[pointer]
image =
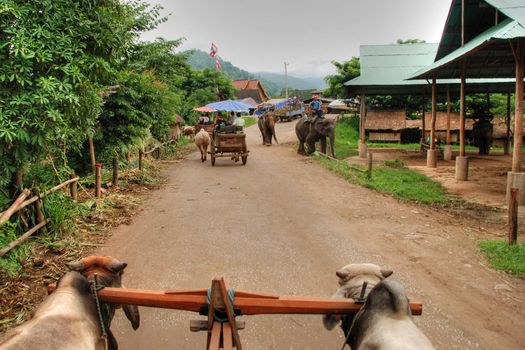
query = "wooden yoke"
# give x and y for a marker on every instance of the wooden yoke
(221, 326)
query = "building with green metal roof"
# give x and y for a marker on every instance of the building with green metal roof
(484, 39)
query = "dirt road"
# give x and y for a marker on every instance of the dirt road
(282, 224)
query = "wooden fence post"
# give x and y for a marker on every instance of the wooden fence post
(39, 214)
(73, 188)
(513, 216)
(98, 176)
(369, 159)
(141, 153)
(115, 171)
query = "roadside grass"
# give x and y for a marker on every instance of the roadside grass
(249, 121)
(346, 138)
(402, 183)
(503, 257)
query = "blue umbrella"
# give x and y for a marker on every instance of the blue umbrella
(229, 106)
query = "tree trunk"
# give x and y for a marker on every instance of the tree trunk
(92, 153)
(16, 183)
(115, 171)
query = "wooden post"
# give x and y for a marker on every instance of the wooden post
(433, 120)
(141, 152)
(98, 176)
(506, 151)
(38, 210)
(369, 161)
(423, 126)
(448, 116)
(92, 154)
(518, 113)
(462, 113)
(513, 216)
(115, 171)
(362, 119)
(73, 188)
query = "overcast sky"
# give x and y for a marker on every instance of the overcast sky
(259, 36)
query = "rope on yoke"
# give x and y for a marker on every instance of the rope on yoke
(94, 289)
(231, 298)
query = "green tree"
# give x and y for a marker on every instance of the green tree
(410, 41)
(56, 57)
(346, 71)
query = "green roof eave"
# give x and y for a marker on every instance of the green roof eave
(508, 29)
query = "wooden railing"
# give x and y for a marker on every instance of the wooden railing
(21, 202)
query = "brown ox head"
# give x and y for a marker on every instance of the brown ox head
(109, 274)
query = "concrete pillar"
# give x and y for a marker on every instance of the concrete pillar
(363, 150)
(516, 180)
(448, 152)
(462, 168)
(432, 158)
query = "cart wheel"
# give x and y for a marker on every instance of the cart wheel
(244, 160)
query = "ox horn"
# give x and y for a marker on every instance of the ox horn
(342, 273)
(386, 272)
(76, 266)
(116, 266)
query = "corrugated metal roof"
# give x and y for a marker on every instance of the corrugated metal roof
(486, 47)
(385, 68)
(508, 29)
(514, 9)
(392, 64)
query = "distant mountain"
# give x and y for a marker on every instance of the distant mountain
(272, 82)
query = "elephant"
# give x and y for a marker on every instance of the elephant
(266, 125)
(482, 134)
(311, 132)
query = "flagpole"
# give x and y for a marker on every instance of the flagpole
(286, 78)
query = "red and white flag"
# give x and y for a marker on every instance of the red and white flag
(214, 50)
(217, 64)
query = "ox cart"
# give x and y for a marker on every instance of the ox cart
(229, 142)
(207, 127)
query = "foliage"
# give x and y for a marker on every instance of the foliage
(403, 184)
(346, 137)
(52, 68)
(300, 94)
(410, 41)
(504, 257)
(10, 263)
(346, 71)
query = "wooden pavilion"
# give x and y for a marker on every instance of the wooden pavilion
(385, 69)
(482, 39)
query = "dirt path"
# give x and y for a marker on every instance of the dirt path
(283, 224)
